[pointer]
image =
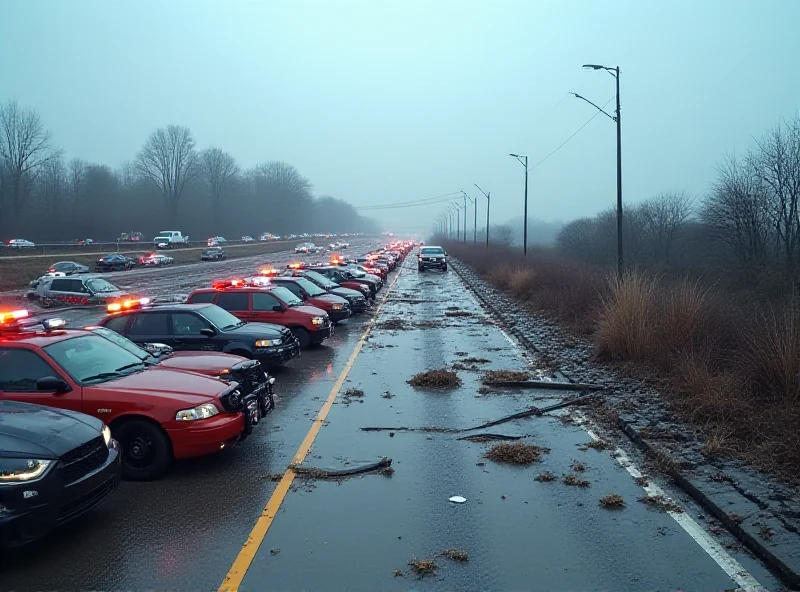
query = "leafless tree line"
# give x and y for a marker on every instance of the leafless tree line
(746, 228)
(168, 182)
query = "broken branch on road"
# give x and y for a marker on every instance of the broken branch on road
(383, 465)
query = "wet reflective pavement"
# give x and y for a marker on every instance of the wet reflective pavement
(187, 530)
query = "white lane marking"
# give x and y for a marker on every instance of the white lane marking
(717, 552)
(734, 569)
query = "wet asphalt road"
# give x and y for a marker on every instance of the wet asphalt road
(185, 531)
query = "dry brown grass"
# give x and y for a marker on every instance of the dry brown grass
(730, 362)
(517, 453)
(436, 379)
(626, 323)
(577, 466)
(612, 501)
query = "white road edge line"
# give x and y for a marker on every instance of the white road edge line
(734, 569)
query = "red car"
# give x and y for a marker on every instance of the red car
(338, 308)
(257, 300)
(156, 414)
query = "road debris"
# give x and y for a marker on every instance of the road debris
(393, 325)
(458, 313)
(387, 395)
(599, 445)
(574, 481)
(500, 376)
(488, 437)
(535, 411)
(457, 499)
(577, 466)
(398, 574)
(662, 503)
(542, 384)
(423, 567)
(545, 477)
(436, 379)
(612, 501)
(382, 465)
(517, 453)
(455, 554)
(475, 361)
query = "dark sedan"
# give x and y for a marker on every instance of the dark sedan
(114, 262)
(54, 466)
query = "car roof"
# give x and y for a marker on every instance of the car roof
(39, 338)
(164, 307)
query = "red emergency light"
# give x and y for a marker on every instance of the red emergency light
(127, 304)
(7, 318)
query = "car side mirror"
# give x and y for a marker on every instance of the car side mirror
(52, 383)
(278, 308)
(208, 332)
(158, 349)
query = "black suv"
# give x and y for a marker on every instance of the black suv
(431, 258)
(205, 327)
(212, 254)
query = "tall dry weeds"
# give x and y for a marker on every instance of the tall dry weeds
(773, 350)
(627, 323)
(685, 311)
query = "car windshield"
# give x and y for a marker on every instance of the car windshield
(99, 285)
(220, 318)
(432, 251)
(319, 279)
(124, 343)
(285, 295)
(310, 287)
(91, 359)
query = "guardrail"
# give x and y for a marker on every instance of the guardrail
(101, 248)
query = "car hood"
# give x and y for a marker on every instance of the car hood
(192, 389)
(309, 310)
(330, 299)
(256, 331)
(210, 363)
(34, 431)
(111, 295)
(345, 292)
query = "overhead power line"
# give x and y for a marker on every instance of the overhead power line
(560, 146)
(418, 202)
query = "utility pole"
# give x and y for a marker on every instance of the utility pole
(519, 157)
(617, 118)
(488, 203)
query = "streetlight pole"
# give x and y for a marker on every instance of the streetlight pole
(519, 157)
(488, 203)
(475, 221)
(617, 118)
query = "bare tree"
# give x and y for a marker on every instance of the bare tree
(25, 145)
(501, 235)
(662, 217)
(169, 160)
(76, 180)
(217, 167)
(52, 184)
(737, 211)
(778, 165)
(577, 238)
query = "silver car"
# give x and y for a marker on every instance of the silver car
(73, 290)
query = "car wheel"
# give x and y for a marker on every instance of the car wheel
(303, 338)
(444, 268)
(146, 450)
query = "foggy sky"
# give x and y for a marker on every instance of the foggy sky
(380, 102)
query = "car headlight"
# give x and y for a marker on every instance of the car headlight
(337, 307)
(268, 342)
(107, 435)
(200, 412)
(19, 470)
(318, 320)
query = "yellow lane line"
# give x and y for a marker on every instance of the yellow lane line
(241, 564)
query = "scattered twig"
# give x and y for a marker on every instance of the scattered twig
(489, 437)
(437, 379)
(316, 473)
(423, 567)
(545, 477)
(574, 481)
(662, 503)
(544, 384)
(517, 453)
(612, 501)
(455, 554)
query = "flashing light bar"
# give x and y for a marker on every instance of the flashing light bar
(297, 265)
(14, 315)
(268, 271)
(127, 304)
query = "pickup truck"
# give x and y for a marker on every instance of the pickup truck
(170, 238)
